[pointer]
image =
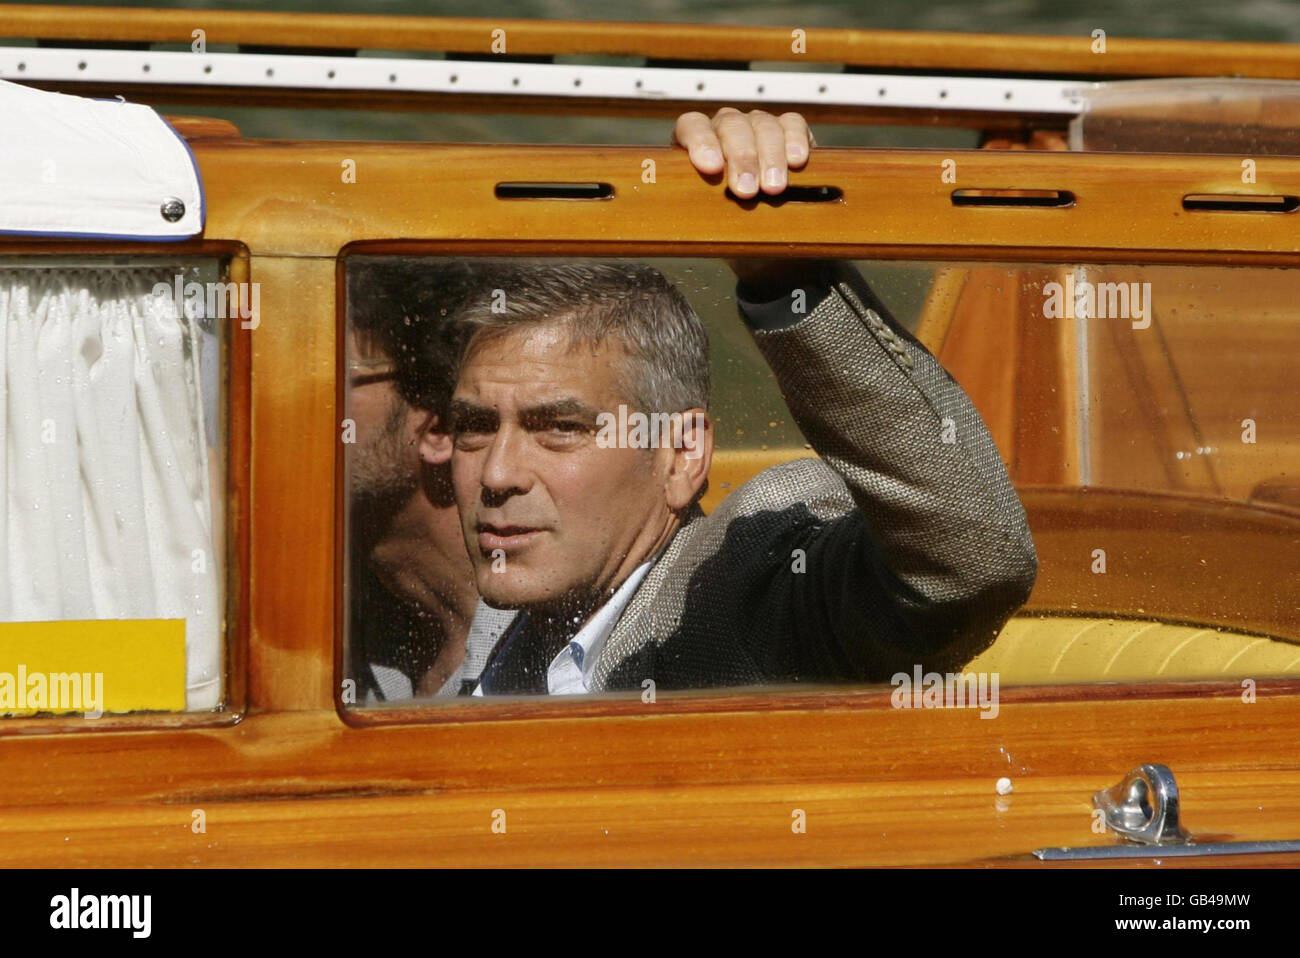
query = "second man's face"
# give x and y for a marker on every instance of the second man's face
(549, 514)
(384, 462)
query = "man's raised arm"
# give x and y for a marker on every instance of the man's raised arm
(937, 554)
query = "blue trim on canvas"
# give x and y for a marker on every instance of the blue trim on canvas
(136, 238)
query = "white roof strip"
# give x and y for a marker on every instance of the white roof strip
(291, 71)
(102, 169)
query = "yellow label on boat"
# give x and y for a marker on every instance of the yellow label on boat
(92, 666)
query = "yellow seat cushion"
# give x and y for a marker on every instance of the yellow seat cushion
(1043, 650)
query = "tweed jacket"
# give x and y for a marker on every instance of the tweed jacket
(904, 544)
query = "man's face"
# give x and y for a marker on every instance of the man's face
(549, 515)
(384, 461)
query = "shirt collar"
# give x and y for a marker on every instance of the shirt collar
(590, 640)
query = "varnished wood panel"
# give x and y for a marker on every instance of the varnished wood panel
(289, 199)
(879, 785)
(953, 822)
(296, 433)
(675, 41)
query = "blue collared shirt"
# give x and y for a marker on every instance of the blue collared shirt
(570, 672)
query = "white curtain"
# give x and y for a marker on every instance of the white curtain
(105, 458)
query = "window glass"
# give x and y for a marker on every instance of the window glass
(1086, 474)
(112, 556)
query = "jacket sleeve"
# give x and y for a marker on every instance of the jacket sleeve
(937, 555)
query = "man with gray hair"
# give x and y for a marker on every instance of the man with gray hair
(903, 545)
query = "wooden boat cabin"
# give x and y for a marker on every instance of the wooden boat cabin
(191, 352)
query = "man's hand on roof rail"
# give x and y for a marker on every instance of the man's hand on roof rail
(756, 149)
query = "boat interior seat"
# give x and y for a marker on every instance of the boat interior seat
(1061, 649)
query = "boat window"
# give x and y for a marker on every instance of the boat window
(112, 557)
(858, 526)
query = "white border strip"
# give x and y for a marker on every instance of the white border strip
(288, 71)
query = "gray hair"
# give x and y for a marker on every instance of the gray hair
(667, 349)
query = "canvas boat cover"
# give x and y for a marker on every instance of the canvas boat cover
(102, 169)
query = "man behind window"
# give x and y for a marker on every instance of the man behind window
(903, 545)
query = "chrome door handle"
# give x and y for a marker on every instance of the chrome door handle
(1143, 807)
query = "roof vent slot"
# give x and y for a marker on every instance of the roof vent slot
(1049, 199)
(794, 194)
(1240, 203)
(554, 191)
